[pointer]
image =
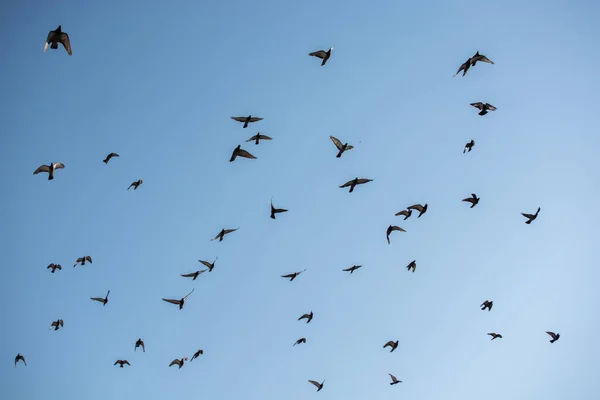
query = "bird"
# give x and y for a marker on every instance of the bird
(308, 317)
(100, 299)
(209, 265)
(299, 341)
(391, 344)
(483, 107)
(464, 67)
(108, 157)
(57, 324)
(554, 336)
(247, 120)
(135, 184)
(391, 229)
(356, 181)
(82, 260)
(258, 137)
(421, 209)
(317, 384)
(322, 54)
(352, 268)
(194, 275)
(531, 217)
(276, 210)
(54, 267)
(139, 343)
(121, 363)
(487, 304)
(239, 152)
(394, 381)
(469, 146)
(222, 234)
(473, 200)
(495, 335)
(179, 302)
(58, 36)
(18, 358)
(197, 354)
(412, 265)
(480, 58)
(178, 362)
(341, 147)
(293, 275)
(49, 169)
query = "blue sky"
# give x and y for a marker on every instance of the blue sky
(162, 94)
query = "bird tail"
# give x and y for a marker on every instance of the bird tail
(528, 221)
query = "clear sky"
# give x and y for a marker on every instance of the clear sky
(157, 82)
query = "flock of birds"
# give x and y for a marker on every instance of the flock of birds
(58, 36)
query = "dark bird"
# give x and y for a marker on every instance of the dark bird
(178, 362)
(100, 299)
(391, 229)
(222, 234)
(412, 265)
(394, 381)
(391, 344)
(58, 36)
(483, 107)
(121, 363)
(54, 267)
(135, 184)
(464, 67)
(276, 210)
(49, 169)
(139, 343)
(554, 336)
(308, 317)
(473, 200)
(531, 217)
(194, 275)
(495, 335)
(197, 354)
(469, 146)
(317, 384)
(421, 209)
(354, 182)
(480, 58)
(239, 152)
(57, 324)
(487, 304)
(341, 147)
(82, 260)
(258, 137)
(247, 120)
(18, 358)
(322, 54)
(294, 275)
(210, 266)
(352, 268)
(108, 157)
(179, 302)
(299, 341)
(406, 213)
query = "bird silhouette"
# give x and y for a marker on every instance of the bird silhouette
(58, 36)
(222, 234)
(100, 299)
(54, 267)
(487, 304)
(179, 302)
(194, 275)
(239, 152)
(308, 317)
(50, 168)
(495, 335)
(121, 363)
(394, 381)
(299, 341)
(341, 147)
(473, 200)
(317, 384)
(59, 323)
(391, 229)
(210, 266)
(421, 209)
(108, 157)
(354, 182)
(352, 268)
(83, 260)
(391, 344)
(554, 336)
(483, 107)
(178, 362)
(18, 358)
(276, 210)
(531, 217)
(258, 137)
(469, 146)
(405, 213)
(322, 54)
(412, 265)
(135, 184)
(197, 354)
(139, 343)
(293, 275)
(247, 120)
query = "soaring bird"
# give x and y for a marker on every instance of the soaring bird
(49, 169)
(308, 317)
(100, 299)
(322, 54)
(121, 363)
(18, 358)
(54, 267)
(178, 362)
(531, 217)
(246, 120)
(391, 344)
(554, 336)
(354, 182)
(464, 67)
(469, 146)
(352, 268)
(135, 184)
(258, 137)
(406, 213)
(58, 36)
(108, 157)
(222, 234)
(421, 209)
(391, 229)
(487, 304)
(210, 266)
(317, 384)
(473, 200)
(197, 354)
(341, 147)
(57, 324)
(495, 335)
(394, 381)
(276, 210)
(82, 260)
(299, 341)
(139, 343)
(412, 265)
(194, 275)
(239, 152)
(179, 302)
(293, 275)
(483, 107)
(480, 58)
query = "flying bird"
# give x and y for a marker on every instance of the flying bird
(394, 381)
(18, 358)
(483, 107)
(317, 384)
(194, 275)
(495, 335)
(178, 362)
(487, 304)
(406, 213)
(139, 343)
(246, 120)
(554, 336)
(294, 275)
(58, 36)
(258, 137)
(299, 341)
(82, 260)
(57, 324)
(179, 302)
(210, 266)
(531, 217)
(354, 182)
(322, 54)
(54, 267)
(276, 210)
(121, 363)
(49, 169)
(222, 234)
(308, 317)
(341, 147)
(100, 299)
(135, 184)
(197, 354)
(108, 157)
(469, 146)
(473, 200)
(480, 58)
(391, 344)
(391, 229)
(352, 268)
(412, 265)
(421, 209)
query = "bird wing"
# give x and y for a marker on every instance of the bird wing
(287, 276)
(483, 58)
(80, 259)
(229, 231)
(390, 343)
(490, 107)
(59, 165)
(530, 216)
(463, 66)
(50, 37)
(551, 334)
(403, 212)
(478, 105)
(114, 155)
(317, 384)
(126, 362)
(172, 301)
(64, 39)
(206, 263)
(363, 180)
(280, 210)
(175, 362)
(88, 258)
(265, 137)
(393, 377)
(484, 303)
(50, 266)
(42, 168)
(347, 184)
(116, 362)
(468, 199)
(57, 266)
(417, 207)
(61, 323)
(97, 299)
(189, 275)
(187, 295)
(304, 316)
(245, 154)
(255, 119)
(239, 119)
(321, 54)
(397, 228)
(252, 138)
(337, 142)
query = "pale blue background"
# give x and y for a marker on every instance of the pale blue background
(158, 82)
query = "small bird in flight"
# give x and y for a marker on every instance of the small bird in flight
(473, 200)
(258, 137)
(57, 324)
(412, 265)
(469, 146)
(352, 268)
(299, 341)
(394, 380)
(276, 210)
(354, 182)
(391, 229)
(246, 120)
(317, 384)
(49, 169)
(194, 275)
(483, 107)
(308, 317)
(554, 336)
(341, 147)
(322, 54)
(495, 335)
(179, 302)
(18, 358)
(58, 36)
(197, 354)
(531, 217)
(210, 266)
(487, 304)
(54, 267)
(406, 213)
(100, 299)
(82, 260)
(135, 184)
(139, 343)
(293, 275)
(178, 362)
(391, 344)
(421, 209)
(222, 234)
(108, 157)
(121, 363)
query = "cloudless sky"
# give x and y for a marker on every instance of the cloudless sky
(157, 82)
